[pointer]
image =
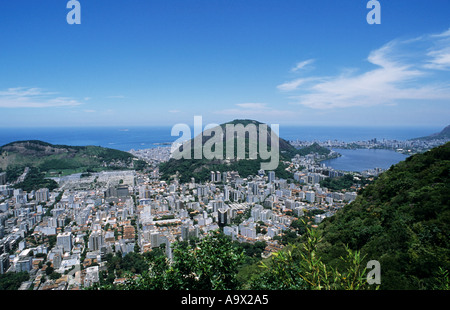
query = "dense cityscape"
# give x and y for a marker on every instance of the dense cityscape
(407, 147)
(71, 230)
(62, 238)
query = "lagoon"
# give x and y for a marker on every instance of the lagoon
(364, 159)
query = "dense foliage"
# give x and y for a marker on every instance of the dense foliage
(401, 220)
(35, 180)
(338, 183)
(12, 280)
(119, 266)
(300, 267)
(210, 264)
(313, 148)
(345, 182)
(200, 169)
(216, 263)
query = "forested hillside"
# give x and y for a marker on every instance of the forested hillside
(402, 220)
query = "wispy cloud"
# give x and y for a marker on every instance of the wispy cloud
(403, 70)
(302, 64)
(295, 84)
(23, 97)
(174, 111)
(440, 53)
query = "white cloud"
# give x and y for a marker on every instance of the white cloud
(441, 35)
(440, 53)
(441, 59)
(23, 97)
(295, 84)
(174, 111)
(399, 74)
(302, 64)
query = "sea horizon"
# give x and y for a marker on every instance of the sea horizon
(126, 138)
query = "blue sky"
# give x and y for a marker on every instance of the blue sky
(160, 62)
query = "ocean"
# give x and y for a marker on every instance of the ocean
(120, 138)
(127, 138)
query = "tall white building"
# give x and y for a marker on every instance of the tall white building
(248, 232)
(310, 196)
(226, 193)
(42, 195)
(91, 276)
(271, 176)
(218, 176)
(96, 240)
(65, 240)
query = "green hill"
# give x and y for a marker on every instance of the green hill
(286, 149)
(200, 168)
(61, 159)
(313, 148)
(401, 220)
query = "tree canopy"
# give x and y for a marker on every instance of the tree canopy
(401, 220)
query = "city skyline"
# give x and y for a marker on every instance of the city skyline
(286, 62)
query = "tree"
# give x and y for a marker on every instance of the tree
(300, 267)
(49, 270)
(12, 280)
(55, 275)
(211, 264)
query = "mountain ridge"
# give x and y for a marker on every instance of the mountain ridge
(443, 134)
